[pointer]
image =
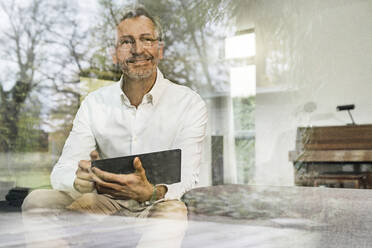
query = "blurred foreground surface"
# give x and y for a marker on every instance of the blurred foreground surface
(228, 216)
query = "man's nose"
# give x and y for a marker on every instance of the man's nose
(137, 47)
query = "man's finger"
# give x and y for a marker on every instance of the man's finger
(107, 176)
(137, 164)
(102, 183)
(104, 190)
(94, 155)
(121, 195)
(85, 165)
(83, 175)
(84, 183)
(113, 186)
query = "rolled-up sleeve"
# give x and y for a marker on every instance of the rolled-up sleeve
(190, 141)
(78, 146)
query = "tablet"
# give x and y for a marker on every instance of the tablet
(161, 167)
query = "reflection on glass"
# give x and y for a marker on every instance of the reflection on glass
(240, 46)
(243, 81)
(242, 93)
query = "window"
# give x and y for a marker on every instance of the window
(240, 50)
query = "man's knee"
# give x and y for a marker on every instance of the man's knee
(46, 199)
(86, 201)
(173, 209)
(93, 203)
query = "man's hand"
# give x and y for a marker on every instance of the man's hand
(124, 186)
(83, 181)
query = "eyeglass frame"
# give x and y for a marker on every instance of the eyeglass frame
(150, 42)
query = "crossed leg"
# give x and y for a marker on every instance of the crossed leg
(165, 226)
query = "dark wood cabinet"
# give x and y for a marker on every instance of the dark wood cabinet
(334, 156)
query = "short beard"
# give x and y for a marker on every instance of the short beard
(138, 75)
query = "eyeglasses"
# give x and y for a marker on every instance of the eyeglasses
(127, 43)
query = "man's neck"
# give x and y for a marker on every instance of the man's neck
(136, 89)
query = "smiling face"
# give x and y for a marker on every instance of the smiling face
(138, 49)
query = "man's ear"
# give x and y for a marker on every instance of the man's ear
(113, 55)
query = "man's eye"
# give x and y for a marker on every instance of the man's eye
(147, 40)
(126, 42)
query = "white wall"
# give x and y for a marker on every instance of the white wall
(307, 51)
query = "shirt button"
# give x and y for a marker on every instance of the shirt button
(134, 138)
(149, 98)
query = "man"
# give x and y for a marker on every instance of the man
(144, 112)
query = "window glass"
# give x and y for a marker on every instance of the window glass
(271, 74)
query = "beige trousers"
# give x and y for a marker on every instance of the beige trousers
(162, 224)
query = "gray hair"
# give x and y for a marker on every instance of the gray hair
(141, 11)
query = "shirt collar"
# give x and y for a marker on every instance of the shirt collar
(157, 90)
(153, 96)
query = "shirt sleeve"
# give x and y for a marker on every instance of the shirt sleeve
(79, 144)
(190, 141)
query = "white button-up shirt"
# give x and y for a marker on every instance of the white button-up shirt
(170, 117)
